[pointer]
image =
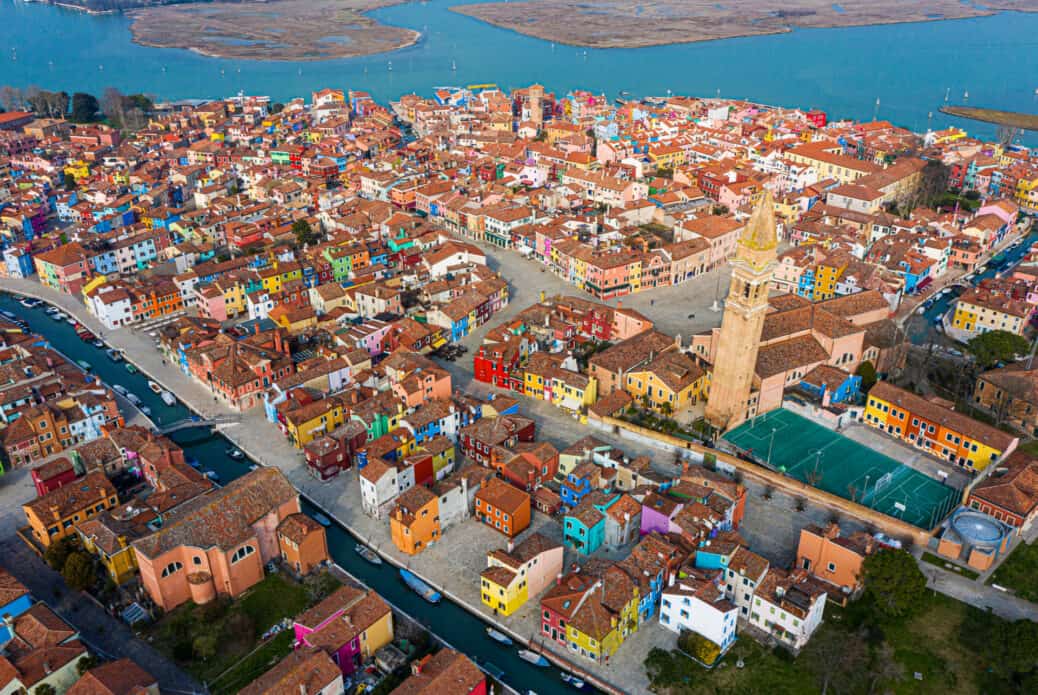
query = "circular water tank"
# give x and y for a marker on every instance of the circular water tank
(978, 529)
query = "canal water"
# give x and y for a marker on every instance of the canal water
(910, 68)
(449, 621)
(920, 328)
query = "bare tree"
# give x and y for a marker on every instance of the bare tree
(113, 105)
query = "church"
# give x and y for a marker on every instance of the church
(767, 345)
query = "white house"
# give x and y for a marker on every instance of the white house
(745, 572)
(378, 488)
(789, 606)
(698, 604)
(111, 304)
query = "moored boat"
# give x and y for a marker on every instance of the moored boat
(322, 519)
(235, 454)
(84, 365)
(368, 554)
(168, 398)
(494, 670)
(533, 657)
(499, 637)
(577, 683)
(155, 388)
(420, 587)
(132, 369)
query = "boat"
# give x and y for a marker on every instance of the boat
(533, 657)
(132, 398)
(921, 310)
(155, 388)
(168, 398)
(71, 321)
(28, 303)
(58, 316)
(84, 365)
(8, 315)
(146, 410)
(132, 369)
(51, 310)
(213, 475)
(493, 670)
(235, 454)
(114, 355)
(253, 466)
(499, 637)
(322, 519)
(577, 683)
(420, 587)
(368, 554)
(119, 388)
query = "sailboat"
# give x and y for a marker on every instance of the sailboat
(454, 66)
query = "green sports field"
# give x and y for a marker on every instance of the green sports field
(829, 461)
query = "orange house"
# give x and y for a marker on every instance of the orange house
(503, 507)
(834, 558)
(303, 543)
(415, 521)
(218, 543)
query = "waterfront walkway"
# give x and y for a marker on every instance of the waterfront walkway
(453, 566)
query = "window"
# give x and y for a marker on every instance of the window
(242, 553)
(172, 568)
(832, 566)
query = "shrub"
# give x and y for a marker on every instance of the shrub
(699, 647)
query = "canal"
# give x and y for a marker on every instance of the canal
(920, 327)
(447, 620)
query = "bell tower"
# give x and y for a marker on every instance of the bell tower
(735, 360)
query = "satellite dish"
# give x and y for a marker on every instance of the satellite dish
(739, 663)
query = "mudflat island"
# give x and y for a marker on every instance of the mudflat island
(274, 30)
(636, 23)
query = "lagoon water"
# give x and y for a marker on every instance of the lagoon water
(908, 67)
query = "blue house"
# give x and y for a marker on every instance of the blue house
(579, 483)
(583, 529)
(831, 385)
(16, 600)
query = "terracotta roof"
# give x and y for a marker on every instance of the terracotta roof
(444, 673)
(1014, 489)
(71, 498)
(501, 495)
(302, 671)
(223, 518)
(121, 677)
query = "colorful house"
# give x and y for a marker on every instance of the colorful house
(414, 523)
(525, 570)
(350, 625)
(503, 507)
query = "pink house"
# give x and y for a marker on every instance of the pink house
(658, 514)
(350, 625)
(211, 303)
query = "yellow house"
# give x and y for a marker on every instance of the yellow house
(978, 311)
(109, 539)
(55, 515)
(92, 285)
(1027, 193)
(502, 589)
(942, 432)
(670, 383)
(78, 169)
(827, 275)
(311, 421)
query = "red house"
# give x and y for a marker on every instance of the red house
(480, 438)
(52, 475)
(328, 455)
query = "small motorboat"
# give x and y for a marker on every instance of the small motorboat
(146, 410)
(420, 587)
(495, 671)
(253, 466)
(577, 683)
(132, 369)
(213, 475)
(114, 355)
(155, 388)
(51, 310)
(322, 519)
(168, 398)
(132, 398)
(71, 321)
(533, 657)
(368, 554)
(194, 463)
(120, 389)
(235, 454)
(84, 365)
(499, 637)
(97, 343)
(58, 316)
(27, 303)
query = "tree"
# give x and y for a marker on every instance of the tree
(204, 646)
(867, 371)
(78, 571)
(58, 552)
(45, 689)
(68, 181)
(84, 107)
(86, 663)
(894, 582)
(997, 346)
(305, 234)
(835, 660)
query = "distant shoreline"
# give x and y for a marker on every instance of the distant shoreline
(567, 34)
(70, 6)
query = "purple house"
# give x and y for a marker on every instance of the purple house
(350, 626)
(658, 512)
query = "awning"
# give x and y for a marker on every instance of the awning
(439, 342)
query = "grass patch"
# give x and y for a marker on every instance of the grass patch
(949, 566)
(1030, 447)
(890, 656)
(1019, 572)
(211, 639)
(253, 665)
